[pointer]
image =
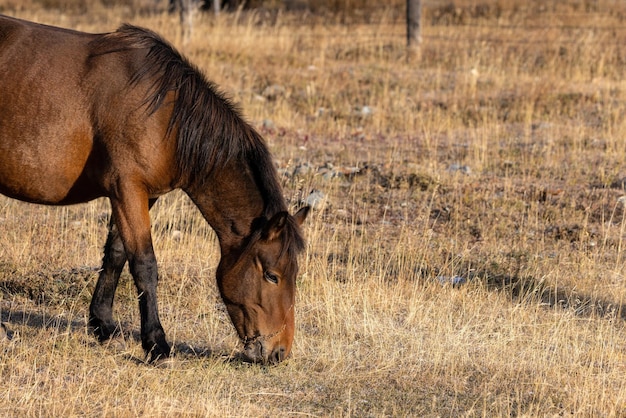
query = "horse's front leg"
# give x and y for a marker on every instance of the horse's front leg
(101, 308)
(130, 210)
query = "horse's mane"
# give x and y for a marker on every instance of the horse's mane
(210, 128)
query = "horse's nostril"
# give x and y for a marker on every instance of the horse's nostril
(257, 352)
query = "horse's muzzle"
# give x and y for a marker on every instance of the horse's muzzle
(257, 352)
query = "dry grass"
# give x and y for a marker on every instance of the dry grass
(497, 156)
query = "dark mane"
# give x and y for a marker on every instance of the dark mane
(206, 140)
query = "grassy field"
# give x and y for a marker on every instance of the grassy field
(467, 257)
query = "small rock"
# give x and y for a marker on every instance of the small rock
(315, 199)
(454, 280)
(465, 169)
(177, 235)
(328, 174)
(268, 124)
(302, 169)
(363, 111)
(350, 171)
(366, 111)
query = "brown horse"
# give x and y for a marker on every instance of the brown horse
(123, 115)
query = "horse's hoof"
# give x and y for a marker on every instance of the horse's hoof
(103, 331)
(159, 352)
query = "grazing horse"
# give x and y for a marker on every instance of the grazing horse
(123, 115)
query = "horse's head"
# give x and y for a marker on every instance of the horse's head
(258, 286)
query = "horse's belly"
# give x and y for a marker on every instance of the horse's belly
(44, 170)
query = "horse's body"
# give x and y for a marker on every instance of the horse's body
(123, 115)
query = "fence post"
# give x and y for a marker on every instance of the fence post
(187, 9)
(413, 23)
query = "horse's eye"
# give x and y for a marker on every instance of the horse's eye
(270, 277)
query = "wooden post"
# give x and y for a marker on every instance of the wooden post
(216, 7)
(187, 9)
(413, 23)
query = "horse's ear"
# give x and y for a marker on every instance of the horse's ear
(301, 214)
(275, 226)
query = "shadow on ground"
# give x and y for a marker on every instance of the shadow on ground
(528, 289)
(39, 318)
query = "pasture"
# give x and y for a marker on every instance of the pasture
(466, 255)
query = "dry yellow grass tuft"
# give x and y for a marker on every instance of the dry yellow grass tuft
(466, 259)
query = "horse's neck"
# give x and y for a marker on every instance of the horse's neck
(230, 201)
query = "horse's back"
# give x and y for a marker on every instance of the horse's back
(31, 46)
(62, 107)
